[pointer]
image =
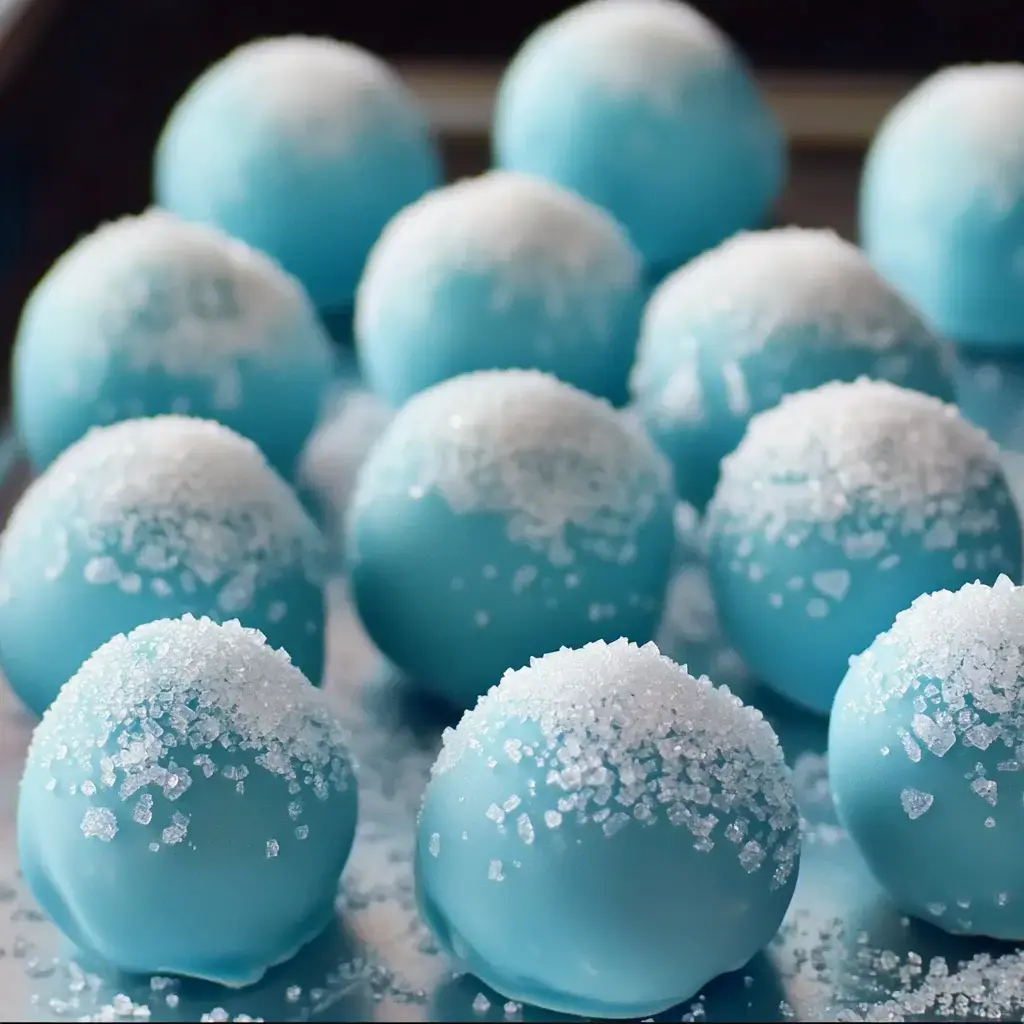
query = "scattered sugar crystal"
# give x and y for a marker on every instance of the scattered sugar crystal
(915, 803)
(143, 812)
(610, 715)
(99, 823)
(987, 789)
(481, 1004)
(524, 828)
(496, 871)
(301, 831)
(177, 830)
(273, 848)
(434, 845)
(293, 993)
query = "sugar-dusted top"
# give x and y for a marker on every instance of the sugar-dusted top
(182, 297)
(979, 108)
(535, 240)
(319, 94)
(767, 282)
(867, 451)
(643, 49)
(168, 495)
(629, 734)
(181, 695)
(548, 456)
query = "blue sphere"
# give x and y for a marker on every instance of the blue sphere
(504, 514)
(841, 506)
(942, 202)
(148, 519)
(763, 315)
(497, 272)
(645, 108)
(152, 315)
(604, 834)
(188, 805)
(305, 148)
(924, 748)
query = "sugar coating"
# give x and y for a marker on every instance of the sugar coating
(534, 237)
(852, 461)
(318, 93)
(186, 498)
(183, 696)
(766, 284)
(213, 300)
(631, 737)
(522, 444)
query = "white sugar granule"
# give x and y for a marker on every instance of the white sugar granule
(550, 458)
(185, 499)
(857, 459)
(534, 241)
(631, 736)
(320, 95)
(174, 691)
(166, 294)
(957, 660)
(651, 50)
(761, 287)
(980, 109)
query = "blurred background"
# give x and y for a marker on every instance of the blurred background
(86, 84)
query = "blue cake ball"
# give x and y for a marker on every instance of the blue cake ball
(924, 759)
(841, 506)
(763, 315)
(942, 202)
(505, 270)
(633, 830)
(152, 518)
(303, 147)
(188, 804)
(503, 514)
(153, 315)
(645, 108)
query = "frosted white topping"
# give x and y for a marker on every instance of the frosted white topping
(183, 501)
(534, 239)
(187, 698)
(183, 298)
(863, 456)
(981, 108)
(319, 93)
(638, 48)
(630, 736)
(554, 460)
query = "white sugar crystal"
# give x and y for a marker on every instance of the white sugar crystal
(317, 95)
(971, 643)
(987, 789)
(177, 830)
(481, 1004)
(844, 454)
(496, 871)
(915, 803)
(533, 238)
(146, 688)
(548, 457)
(624, 723)
(171, 494)
(434, 845)
(832, 583)
(273, 848)
(99, 823)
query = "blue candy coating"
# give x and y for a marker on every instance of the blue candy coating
(924, 747)
(153, 315)
(152, 518)
(303, 147)
(942, 202)
(501, 515)
(496, 272)
(764, 315)
(645, 108)
(840, 507)
(632, 828)
(188, 806)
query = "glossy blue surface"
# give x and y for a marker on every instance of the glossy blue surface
(942, 202)
(459, 577)
(304, 148)
(764, 315)
(151, 315)
(923, 746)
(67, 572)
(496, 272)
(647, 110)
(187, 806)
